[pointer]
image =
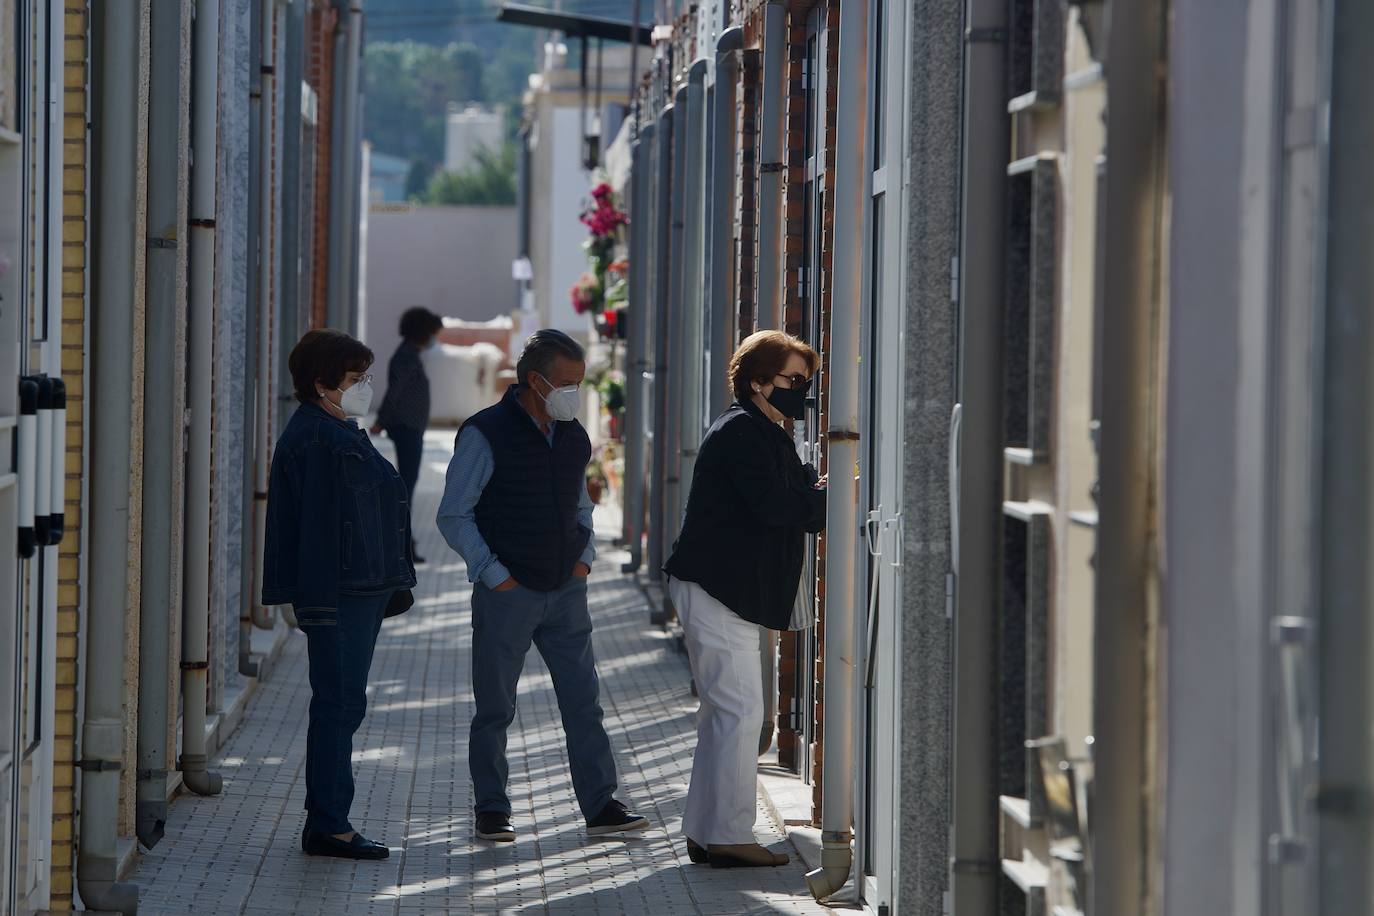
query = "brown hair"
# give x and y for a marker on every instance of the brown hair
(325, 355)
(762, 355)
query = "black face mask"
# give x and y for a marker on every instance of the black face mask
(790, 402)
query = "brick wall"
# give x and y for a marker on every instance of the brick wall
(747, 192)
(320, 22)
(824, 279)
(74, 185)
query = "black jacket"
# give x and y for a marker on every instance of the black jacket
(528, 510)
(406, 402)
(751, 504)
(338, 521)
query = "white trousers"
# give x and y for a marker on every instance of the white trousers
(724, 652)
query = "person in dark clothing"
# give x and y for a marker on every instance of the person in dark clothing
(735, 567)
(404, 413)
(338, 550)
(516, 508)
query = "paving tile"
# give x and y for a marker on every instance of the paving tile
(240, 853)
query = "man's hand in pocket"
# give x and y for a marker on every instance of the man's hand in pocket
(582, 570)
(506, 586)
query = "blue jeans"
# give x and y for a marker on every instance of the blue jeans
(340, 645)
(410, 446)
(504, 624)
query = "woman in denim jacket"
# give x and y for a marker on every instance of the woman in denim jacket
(337, 550)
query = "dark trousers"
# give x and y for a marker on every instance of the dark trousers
(410, 446)
(504, 624)
(340, 648)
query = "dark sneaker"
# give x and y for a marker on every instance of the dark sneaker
(495, 827)
(615, 818)
(360, 847)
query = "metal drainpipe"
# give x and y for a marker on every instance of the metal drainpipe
(344, 151)
(661, 251)
(1134, 188)
(164, 406)
(262, 617)
(252, 314)
(723, 155)
(195, 629)
(289, 313)
(672, 431)
(693, 290)
(637, 356)
(976, 555)
(116, 35)
(772, 122)
(842, 622)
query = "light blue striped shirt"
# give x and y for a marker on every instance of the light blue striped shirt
(468, 474)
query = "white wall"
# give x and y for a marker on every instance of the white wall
(467, 130)
(570, 191)
(454, 261)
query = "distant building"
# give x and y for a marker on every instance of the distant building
(470, 127)
(388, 178)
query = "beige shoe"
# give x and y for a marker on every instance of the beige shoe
(745, 855)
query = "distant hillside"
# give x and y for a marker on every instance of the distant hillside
(423, 54)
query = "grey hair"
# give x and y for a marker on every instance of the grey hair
(541, 350)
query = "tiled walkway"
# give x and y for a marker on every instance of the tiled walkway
(240, 853)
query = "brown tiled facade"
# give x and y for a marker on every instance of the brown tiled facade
(74, 272)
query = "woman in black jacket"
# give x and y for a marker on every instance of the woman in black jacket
(337, 550)
(735, 567)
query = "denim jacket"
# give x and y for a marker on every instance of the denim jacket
(338, 521)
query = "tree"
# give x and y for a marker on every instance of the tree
(409, 86)
(490, 182)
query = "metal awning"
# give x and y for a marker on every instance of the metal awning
(575, 24)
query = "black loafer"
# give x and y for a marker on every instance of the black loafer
(698, 854)
(360, 847)
(495, 827)
(615, 818)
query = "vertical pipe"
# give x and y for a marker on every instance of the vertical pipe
(662, 250)
(164, 404)
(1345, 828)
(974, 840)
(291, 176)
(1134, 189)
(195, 630)
(673, 380)
(636, 358)
(772, 121)
(248, 605)
(723, 154)
(693, 291)
(116, 44)
(266, 302)
(842, 438)
(343, 177)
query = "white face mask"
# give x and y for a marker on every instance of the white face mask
(561, 403)
(357, 400)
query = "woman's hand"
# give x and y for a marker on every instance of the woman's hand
(376, 429)
(506, 586)
(821, 482)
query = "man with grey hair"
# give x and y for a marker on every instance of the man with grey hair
(516, 508)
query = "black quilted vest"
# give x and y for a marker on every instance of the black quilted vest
(528, 511)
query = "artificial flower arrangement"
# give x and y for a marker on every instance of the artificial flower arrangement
(587, 293)
(601, 290)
